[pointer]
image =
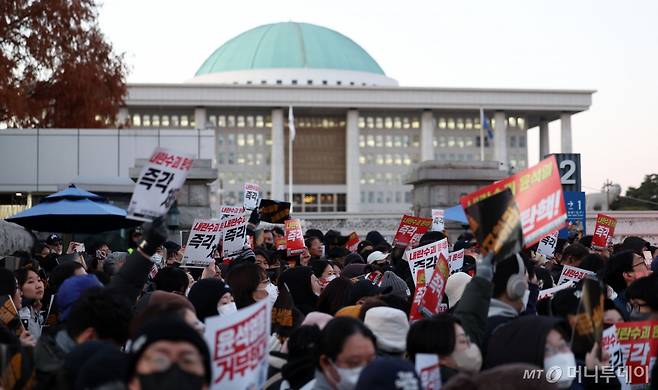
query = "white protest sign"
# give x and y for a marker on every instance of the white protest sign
(573, 274)
(227, 211)
(610, 344)
(251, 195)
(238, 347)
(547, 245)
(427, 367)
(234, 231)
(160, 180)
(437, 220)
(456, 261)
(202, 242)
(549, 291)
(425, 257)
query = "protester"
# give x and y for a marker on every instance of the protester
(211, 297)
(55, 243)
(299, 370)
(304, 287)
(171, 279)
(455, 286)
(389, 373)
(249, 283)
(334, 296)
(642, 298)
(174, 254)
(390, 327)
(32, 290)
(324, 271)
(623, 269)
(315, 247)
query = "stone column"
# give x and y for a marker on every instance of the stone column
(427, 136)
(277, 159)
(544, 145)
(500, 140)
(200, 118)
(565, 122)
(353, 173)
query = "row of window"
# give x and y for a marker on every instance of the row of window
(244, 139)
(258, 121)
(389, 141)
(513, 141)
(308, 82)
(318, 122)
(231, 158)
(314, 202)
(387, 159)
(459, 123)
(156, 120)
(385, 197)
(381, 178)
(388, 122)
(451, 123)
(232, 178)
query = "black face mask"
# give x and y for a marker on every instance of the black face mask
(171, 378)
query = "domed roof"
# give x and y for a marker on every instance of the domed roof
(290, 45)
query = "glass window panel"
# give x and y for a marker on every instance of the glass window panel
(407, 160)
(362, 122)
(212, 119)
(370, 140)
(451, 142)
(220, 139)
(512, 141)
(415, 141)
(362, 141)
(468, 123)
(398, 197)
(512, 121)
(469, 142)
(370, 159)
(451, 123)
(379, 141)
(522, 141)
(435, 142)
(221, 121)
(397, 141)
(398, 159)
(442, 141)
(241, 159)
(184, 122)
(460, 142)
(389, 141)
(231, 158)
(165, 120)
(388, 122)
(268, 121)
(407, 197)
(259, 139)
(362, 159)
(460, 123)
(240, 139)
(250, 120)
(388, 160)
(371, 197)
(240, 121)
(380, 159)
(442, 123)
(405, 141)
(174, 121)
(137, 120)
(146, 121)
(259, 121)
(370, 122)
(405, 123)
(397, 122)
(415, 123)
(380, 197)
(379, 122)
(520, 122)
(230, 121)
(155, 120)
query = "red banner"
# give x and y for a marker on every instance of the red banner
(430, 304)
(604, 229)
(352, 242)
(410, 230)
(639, 345)
(414, 313)
(538, 195)
(294, 237)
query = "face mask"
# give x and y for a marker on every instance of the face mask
(273, 293)
(348, 377)
(330, 278)
(526, 297)
(564, 361)
(469, 360)
(637, 316)
(227, 309)
(156, 259)
(171, 378)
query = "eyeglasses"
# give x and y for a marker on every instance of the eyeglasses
(635, 307)
(641, 263)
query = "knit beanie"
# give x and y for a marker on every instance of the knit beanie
(400, 288)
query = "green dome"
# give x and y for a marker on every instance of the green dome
(289, 45)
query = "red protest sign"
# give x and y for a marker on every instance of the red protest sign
(431, 301)
(639, 344)
(410, 230)
(538, 195)
(604, 228)
(294, 237)
(352, 242)
(414, 313)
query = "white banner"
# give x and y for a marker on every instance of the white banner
(238, 347)
(234, 235)
(456, 261)
(573, 274)
(251, 195)
(547, 245)
(427, 367)
(437, 220)
(160, 180)
(425, 257)
(201, 243)
(610, 344)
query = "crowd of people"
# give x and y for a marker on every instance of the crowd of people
(105, 319)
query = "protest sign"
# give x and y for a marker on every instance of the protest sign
(547, 245)
(234, 230)
(410, 229)
(202, 242)
(159, 181)
(9, 315)
(550, 291)
(437, 220)
(538, 195)
(429, 304)
(573, 274)
(456, 261)
(352, 242)
(425, 257)
(273, 211)
(414, 312)
(427, 367)
(610, 344)
(238, 347)
(604, 229)
(639, 345)
(251, 195)
(280, 243)
(589, 317)
(228, 211)
(496, 223)
(294, 237)
(575, 203)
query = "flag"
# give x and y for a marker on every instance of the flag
(291, 124)
(485, 124)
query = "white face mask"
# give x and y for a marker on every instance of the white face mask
(272, 293)
(330, 278)
(565, 361)
(526, 297)
(156, 259)
(227, 309)
(469, 360)
(348, 377)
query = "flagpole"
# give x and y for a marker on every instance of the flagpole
(481, 134)
(291, 136)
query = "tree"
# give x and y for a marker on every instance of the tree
(644, 197)
(56, 68)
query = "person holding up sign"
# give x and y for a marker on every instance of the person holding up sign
(623, 269)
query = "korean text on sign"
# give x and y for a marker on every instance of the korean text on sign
(431, 301)
(202, 242)
(639, 344)
(573, 274)
(437, 220)
(294, 237)
(251, 195)
(604, 229)
(547, 245)
(411, 229)
(158, 183)
(427, 367)
(538, 194)
(238, 346)
(425, 257)
(234, 231)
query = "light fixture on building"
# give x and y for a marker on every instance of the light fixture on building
(173, 217)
